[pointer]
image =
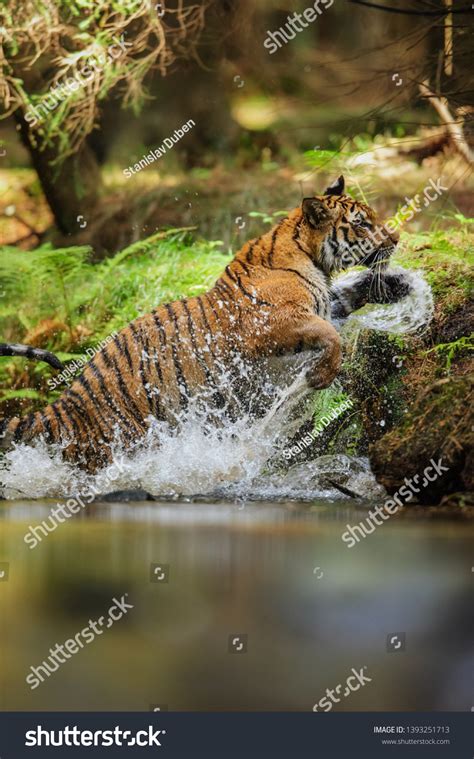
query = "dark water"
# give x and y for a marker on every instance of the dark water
(311, 608)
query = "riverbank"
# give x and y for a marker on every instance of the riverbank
(409, 392)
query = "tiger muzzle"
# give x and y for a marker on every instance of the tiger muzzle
(386, 241)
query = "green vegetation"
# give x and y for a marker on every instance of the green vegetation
(386, 375)
(448, 351)
(58, 299)
(84, 36)
(61, 300)
(446, 255)
(343, 434)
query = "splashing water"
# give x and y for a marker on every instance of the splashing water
(408, 315)
(196, 458)
(229, 460)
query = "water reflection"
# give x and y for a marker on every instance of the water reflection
(279, 573)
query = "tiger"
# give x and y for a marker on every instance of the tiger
(274, 298)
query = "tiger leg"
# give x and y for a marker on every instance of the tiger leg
(357, 289)
(349, 294)
(316, 333)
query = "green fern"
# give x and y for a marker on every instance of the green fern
(64, 284)
(450, 350)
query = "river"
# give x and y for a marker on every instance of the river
(245, 597)
(311, 608)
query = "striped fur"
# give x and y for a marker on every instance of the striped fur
(273, 298)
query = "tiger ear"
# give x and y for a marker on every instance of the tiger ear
(315, 212)
(337, 187)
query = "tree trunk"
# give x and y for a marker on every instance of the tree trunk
(71, 188)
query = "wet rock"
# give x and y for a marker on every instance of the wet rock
(373, 378)
(439, 427)
(414, 388)
(330, 476)
(124, 496)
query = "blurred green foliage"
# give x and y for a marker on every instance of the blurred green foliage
(94, 300)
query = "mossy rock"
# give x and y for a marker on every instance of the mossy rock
(372, 377)
(440, 426)
(431, 395)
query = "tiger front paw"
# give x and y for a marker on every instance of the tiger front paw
(397, 287)
(326, 368)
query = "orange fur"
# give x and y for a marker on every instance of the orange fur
(273, 298)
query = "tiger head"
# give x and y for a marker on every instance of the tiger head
(341, 232)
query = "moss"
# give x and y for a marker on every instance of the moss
(373, 378)
(414, 391)
(348, 436)
(440, 425)
(446, 256)
(448, 352)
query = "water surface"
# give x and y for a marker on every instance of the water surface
(279, 573)
(265, 566)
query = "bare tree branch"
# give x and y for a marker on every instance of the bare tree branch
(453, 126)
(410, 11)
